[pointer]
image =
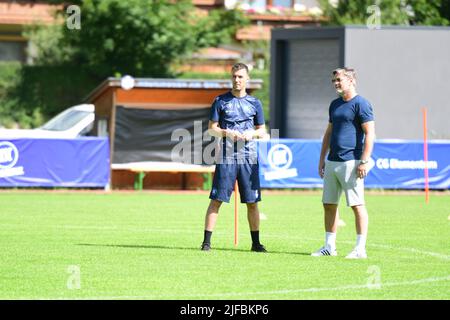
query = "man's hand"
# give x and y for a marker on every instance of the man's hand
(361, 170)
(321, 168)
(249, 135)
(233, 135)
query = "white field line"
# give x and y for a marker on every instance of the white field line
(382, 246)
(284, 237)
(257, 293)
(274, 292)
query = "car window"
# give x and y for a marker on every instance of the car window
(65, 120)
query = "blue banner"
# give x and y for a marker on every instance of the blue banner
(400, 165)
(289, 163)
(397, 164)
(81, 162)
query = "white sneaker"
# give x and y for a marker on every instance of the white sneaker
(324, 251)
(357, 254)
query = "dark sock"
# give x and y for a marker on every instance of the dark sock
(207, 236)
(255, 237)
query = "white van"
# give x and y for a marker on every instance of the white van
(71, 123)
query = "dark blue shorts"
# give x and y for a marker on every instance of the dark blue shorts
(247, 175)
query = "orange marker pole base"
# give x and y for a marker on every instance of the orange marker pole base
(236, 218)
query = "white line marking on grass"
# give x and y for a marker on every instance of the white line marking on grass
(383, 246)
(132, 229)
(275, 292)
(430, 253)
(88, 227)
(165, 230)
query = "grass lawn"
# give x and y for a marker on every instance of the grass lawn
(81, 245)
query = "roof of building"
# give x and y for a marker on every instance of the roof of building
(169, 83)
(218, 54)
(24, 13)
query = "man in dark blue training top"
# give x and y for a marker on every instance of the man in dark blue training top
(348, 140)
(237, 118)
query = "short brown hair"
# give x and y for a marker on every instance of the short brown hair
(238, 66)
(348, 72)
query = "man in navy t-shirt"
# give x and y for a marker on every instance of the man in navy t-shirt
(348, 140)
(237, 118)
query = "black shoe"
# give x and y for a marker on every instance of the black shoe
(206, 246)
(258, 248)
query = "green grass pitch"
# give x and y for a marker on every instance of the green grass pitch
(81, 245)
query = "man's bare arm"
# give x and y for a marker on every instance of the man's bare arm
(325, 148)
(216, 131)
(258, 133)
(369, 131)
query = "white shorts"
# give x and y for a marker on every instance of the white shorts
(341, 176)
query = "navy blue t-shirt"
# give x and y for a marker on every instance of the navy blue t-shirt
(347, 136)
(239, 114)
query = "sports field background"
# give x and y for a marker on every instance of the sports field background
(131, 245)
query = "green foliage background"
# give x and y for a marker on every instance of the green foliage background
(150, 38)
(262, 94)
(393, 12)
(142, 38)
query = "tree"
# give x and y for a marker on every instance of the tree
(142, 38)
(137, 37)
(392, 12)
(46, 42)
(219, 28)
(445, 10)
(430, 12)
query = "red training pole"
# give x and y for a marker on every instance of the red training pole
(425, 152)
(235, 214)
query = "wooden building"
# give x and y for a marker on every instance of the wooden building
(141, 145)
